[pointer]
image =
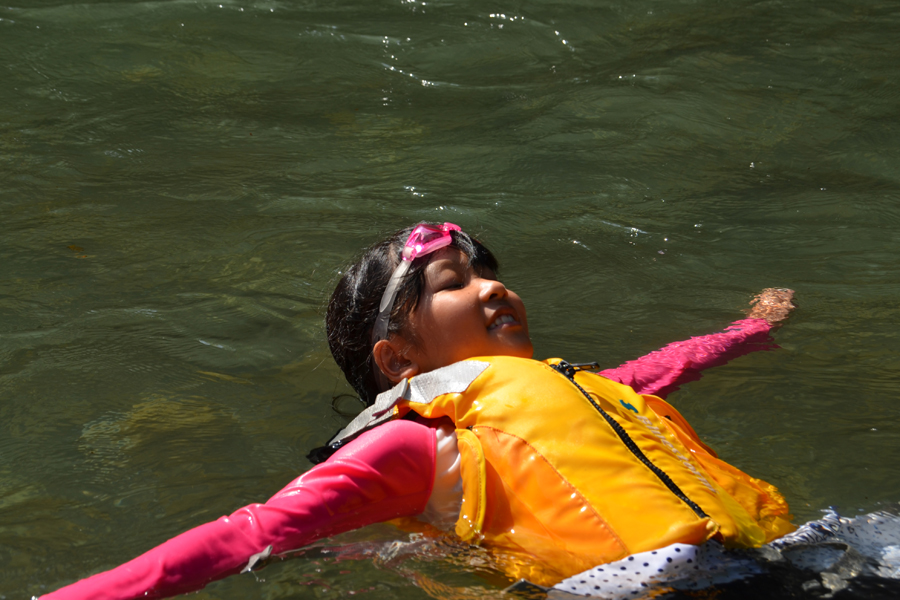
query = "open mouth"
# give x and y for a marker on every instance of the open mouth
(504, 320)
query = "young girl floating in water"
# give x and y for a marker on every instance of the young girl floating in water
(553, 468)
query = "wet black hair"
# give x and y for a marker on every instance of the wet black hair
(353, 307)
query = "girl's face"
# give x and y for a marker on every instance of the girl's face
(465, 312)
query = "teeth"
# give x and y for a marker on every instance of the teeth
(503, 320)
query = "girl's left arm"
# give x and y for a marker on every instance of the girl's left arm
(386, 473)
(665, 370)
(662, 372)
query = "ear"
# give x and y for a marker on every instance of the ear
(393, 360)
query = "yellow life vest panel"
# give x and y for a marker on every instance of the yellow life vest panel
(580, 471)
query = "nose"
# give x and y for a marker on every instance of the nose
(491, 289)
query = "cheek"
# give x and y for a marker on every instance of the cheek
(439, 323)
(453, 311)
(520, 306)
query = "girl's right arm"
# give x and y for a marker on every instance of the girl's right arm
(386, 473)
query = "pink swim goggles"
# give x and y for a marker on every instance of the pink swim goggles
(423, 240)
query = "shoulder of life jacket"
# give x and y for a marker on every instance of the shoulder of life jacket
(575, 470)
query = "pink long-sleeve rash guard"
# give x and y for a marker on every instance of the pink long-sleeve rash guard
(662, 372)
(386, 473)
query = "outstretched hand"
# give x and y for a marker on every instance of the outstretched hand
(772, 304)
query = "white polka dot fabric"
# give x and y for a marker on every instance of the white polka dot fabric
(679, 566)
(833, 550)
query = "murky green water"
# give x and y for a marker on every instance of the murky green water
(180, 183)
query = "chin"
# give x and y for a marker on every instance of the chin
(518, 350)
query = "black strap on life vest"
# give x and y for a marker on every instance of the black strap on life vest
(322, 453)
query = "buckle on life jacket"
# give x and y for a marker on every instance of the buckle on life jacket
(589, 366)
(569, 369)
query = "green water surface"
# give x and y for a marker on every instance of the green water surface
(181, 183)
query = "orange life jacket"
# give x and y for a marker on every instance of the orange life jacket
(579, 471)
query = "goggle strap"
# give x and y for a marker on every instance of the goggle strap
(379, 332)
